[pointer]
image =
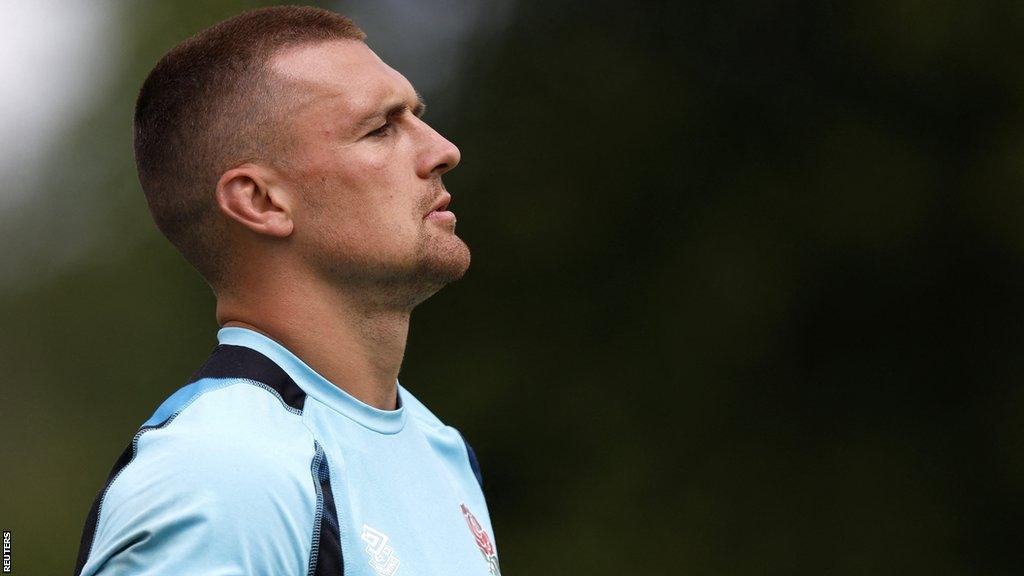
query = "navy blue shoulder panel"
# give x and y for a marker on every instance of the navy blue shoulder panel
(225, 361)
(229, 361)
(473, 463)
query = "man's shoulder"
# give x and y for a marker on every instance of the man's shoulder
(216, 437)
(224, 407)
(223, 454)
(237, 399)
(220, 439)
(234, 413)
(224, 460)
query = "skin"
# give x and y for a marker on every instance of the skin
(339, 243)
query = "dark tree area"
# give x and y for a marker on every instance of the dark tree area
(747, 290)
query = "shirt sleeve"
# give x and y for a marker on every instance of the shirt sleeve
(190, 503)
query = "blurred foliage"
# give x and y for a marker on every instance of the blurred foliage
(746, 297)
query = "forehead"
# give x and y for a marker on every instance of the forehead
(344, 72)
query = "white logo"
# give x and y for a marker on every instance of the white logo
(382, 557)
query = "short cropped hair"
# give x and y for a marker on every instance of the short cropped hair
(210, 103)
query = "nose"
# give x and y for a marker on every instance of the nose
(439, 155)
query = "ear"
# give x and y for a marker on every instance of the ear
(249, 195)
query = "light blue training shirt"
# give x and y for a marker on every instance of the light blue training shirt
(262, 466)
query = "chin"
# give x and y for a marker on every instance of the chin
(445, 262)
(434, 264)
(430, 274)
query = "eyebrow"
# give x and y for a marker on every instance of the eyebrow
(394, 110)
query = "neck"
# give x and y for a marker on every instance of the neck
(353, 342)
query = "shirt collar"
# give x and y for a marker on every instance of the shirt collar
(315, 385)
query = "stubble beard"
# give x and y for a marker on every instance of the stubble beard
(438, 259)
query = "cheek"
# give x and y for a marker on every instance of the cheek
(386, 198)
(361, 201)
(377, 163)
(365, 218)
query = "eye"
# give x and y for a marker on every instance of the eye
(384, 130)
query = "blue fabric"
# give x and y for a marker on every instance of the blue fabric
(179, 399)
(227, 483)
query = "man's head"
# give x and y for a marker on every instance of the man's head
(279, 134)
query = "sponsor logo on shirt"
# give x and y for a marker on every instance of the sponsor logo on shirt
(382, 556)
(483, 541)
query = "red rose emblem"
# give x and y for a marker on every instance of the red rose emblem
(479, 534)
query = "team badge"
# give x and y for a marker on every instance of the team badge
(483, 541)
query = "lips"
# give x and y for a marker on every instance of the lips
(441, 204)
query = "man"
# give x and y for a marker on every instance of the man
(290, 166)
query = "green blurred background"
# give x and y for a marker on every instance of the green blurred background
(747, 288)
